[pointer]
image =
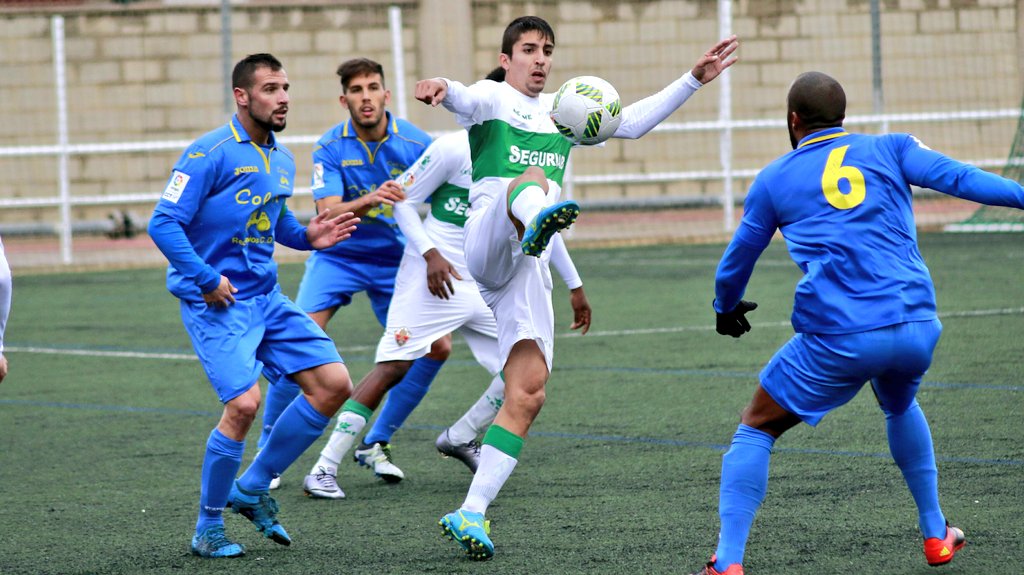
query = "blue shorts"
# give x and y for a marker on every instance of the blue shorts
(235, 343)
(330, 282)
(813, 374)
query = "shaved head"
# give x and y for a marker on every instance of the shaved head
(818, 101)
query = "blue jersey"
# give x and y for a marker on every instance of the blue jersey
(227, 195)
(843, 203)
(346, 166)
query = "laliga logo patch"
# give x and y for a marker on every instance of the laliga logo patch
(402, 336)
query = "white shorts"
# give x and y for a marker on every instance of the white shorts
(417, 318)
(515, 286)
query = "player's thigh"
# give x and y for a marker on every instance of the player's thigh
(381, 284)
(293, 342)
(912, 346)
(812, 375)
(523, 311)
(492, 245)
(226, 341)
(327, 283)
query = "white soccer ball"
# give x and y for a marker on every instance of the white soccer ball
(586, 110)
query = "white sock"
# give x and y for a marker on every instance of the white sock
(530, 201)
(494, 470)
(473, 422)
(342, 438)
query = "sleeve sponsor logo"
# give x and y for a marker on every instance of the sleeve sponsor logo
(175, 187)
(318, 176)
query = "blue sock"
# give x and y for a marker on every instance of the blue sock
(297, 428)
(402, 399)
(280, 394)
(744, 484)
(910, 442)
(220, 465)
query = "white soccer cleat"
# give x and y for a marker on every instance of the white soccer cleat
(275, 483)
(322, 485)
(378, 458)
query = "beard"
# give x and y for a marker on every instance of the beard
(268, 123)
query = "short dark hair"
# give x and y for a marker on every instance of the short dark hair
(496, 75)
(245, 69)
(818, 100)
(522, 25)
(358, 67)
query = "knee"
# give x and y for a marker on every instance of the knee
(532, 175)
(441, 349)
(242, 410)
(529, 400)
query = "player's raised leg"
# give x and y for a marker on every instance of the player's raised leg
(529, 209)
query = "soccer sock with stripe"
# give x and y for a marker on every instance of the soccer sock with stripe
(744, 485)
(220, 465)
(526, 201)
(473, 422)
(402, 399)
(498, 457)
(298, 427)
(351, 422)
(910, 442)
(280, 394)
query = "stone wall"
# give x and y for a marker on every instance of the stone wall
(153, 71)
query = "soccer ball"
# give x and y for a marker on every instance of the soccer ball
(586, 110)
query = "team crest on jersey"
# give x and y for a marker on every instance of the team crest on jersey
(402, 336)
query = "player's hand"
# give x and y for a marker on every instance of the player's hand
(439, 274)
(431, 91)
(580, 310)
(734, 323)
(223, 296)
(715, 60)
(3, 367)
(387, 193)
(328, 228)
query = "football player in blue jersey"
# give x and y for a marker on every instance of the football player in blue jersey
(863, 311)
(350, 162)
(217, 222)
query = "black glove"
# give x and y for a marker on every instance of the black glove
(733, 323)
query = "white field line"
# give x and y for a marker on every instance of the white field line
(363, 348)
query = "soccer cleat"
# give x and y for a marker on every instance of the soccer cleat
(378, 458)
(275, 483)
(214, 544)
(261, 509)
(468, 453)
(547, 223)
(470, 530)
(709, 569)
(322, 485)
(941, 551)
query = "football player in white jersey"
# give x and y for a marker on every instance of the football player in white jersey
(518, 165)
(434, 296)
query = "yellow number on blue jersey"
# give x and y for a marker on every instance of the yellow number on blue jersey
(836, 171)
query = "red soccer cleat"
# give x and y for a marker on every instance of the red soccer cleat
(709, 569)
(941, 551)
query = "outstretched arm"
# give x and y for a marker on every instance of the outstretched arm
(643, 116)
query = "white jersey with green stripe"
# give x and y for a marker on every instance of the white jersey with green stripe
(508, 132)
(440, 177)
